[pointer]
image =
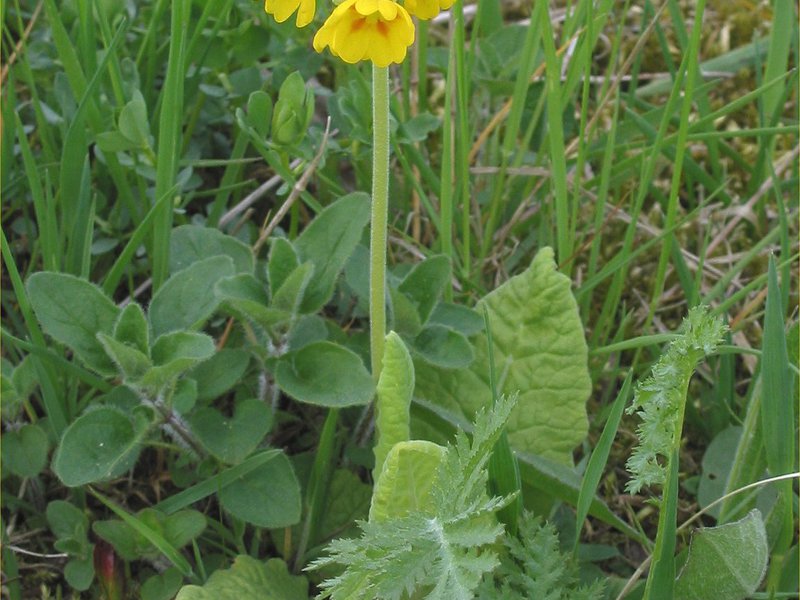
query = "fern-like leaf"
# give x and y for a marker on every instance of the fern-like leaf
(442, 556)
(659, 400)
(534, 567)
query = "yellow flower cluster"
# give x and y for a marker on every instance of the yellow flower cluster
(377, 30)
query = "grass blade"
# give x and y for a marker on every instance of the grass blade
(599, 458)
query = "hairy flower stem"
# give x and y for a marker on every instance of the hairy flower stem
(380, 201)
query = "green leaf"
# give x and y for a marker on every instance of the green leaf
(187, 298)
(163, 586)
(150, 532)
(67, 521)
(728, 561)
(443, 347)
(348, 500)
(25, 450)
(328, 242)
(131, 328)
(259, 112)
(73, 311)
(246, 296)
(394, 392)
(464, 320)
(539, 351)
(290, 295)
(79, 573)
(325, 374)
(174, 354)
(232, 439)
(133, 123)
(717, 467)
(250, 579)
(425, 283)
(417, 128)
(404, 318)
(132, 362)
(114, 141)
(406, 479)
(282, 262)
(275, 486)
(293, 111)
(98, 445)
(220, 373)
(189, 244)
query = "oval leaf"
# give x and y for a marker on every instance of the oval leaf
(250, 579)
(444, 347)
(325, 374)
(276, 489)
(73, 311)
(189, 244)
(328, 242)
(728, 561)
(25, 451)
(187, 298)
(232, 439)
(100, 444)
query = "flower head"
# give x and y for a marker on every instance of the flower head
(376, 30)
(283, 9)
(427, 9)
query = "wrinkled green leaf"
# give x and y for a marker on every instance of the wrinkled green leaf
(540, 351)
(275, 486)
(73, 311)
(250, 579)
(405, 482)
(325, 374)
(328, 242)
(394, 392)
(187, 298)
(728, 561)
(98, 445)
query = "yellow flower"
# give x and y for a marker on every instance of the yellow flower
(427, 9)
(283, 9)
(376, 30)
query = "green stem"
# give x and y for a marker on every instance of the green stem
(380, 201)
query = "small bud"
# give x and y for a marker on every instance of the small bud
(293, 111)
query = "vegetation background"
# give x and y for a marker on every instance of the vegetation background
(653, 145)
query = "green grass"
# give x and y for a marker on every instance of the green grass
(660, 163)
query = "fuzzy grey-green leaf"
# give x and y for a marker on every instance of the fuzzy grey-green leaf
(73, 311)
(728, 561)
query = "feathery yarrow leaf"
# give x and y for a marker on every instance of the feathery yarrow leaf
(443, 555)
(659, 400)
(534, 567)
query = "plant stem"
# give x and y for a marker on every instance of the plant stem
(380, 201)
